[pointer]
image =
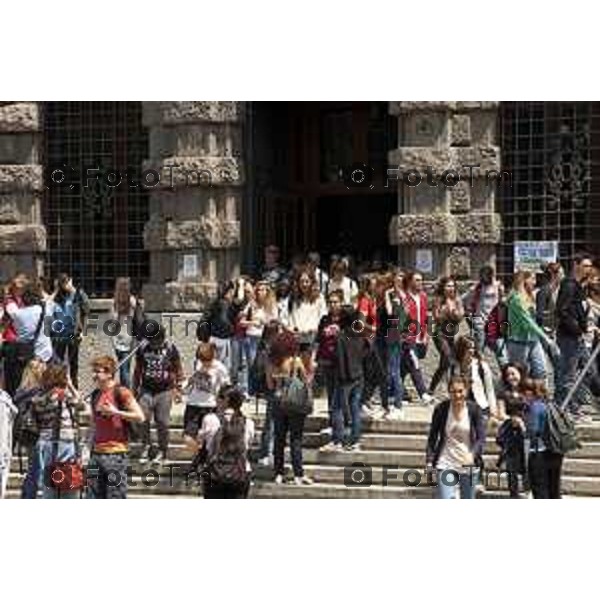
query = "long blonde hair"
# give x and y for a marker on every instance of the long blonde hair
(33, 374)
(519, 287)
(270, 302)
(122, 297)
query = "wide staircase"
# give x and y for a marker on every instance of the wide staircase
(399, 446)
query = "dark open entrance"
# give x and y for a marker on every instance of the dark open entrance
(297, 155)
(95, 221)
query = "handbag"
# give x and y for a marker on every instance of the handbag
(66, 476)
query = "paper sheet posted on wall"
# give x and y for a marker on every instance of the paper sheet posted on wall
(190, 265)
(424, 260)
(530, 256)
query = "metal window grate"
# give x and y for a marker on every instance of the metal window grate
(552, 150)
(95, 232)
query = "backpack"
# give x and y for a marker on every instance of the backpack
(497, 325)
(296, 397)
(560, 436)
(227, 463)
(25, 429)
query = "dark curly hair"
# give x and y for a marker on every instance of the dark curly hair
(284, 346)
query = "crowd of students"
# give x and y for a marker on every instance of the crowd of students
(285, 336)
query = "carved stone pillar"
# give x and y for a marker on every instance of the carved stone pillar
(22, 235)
(454, 224)
(193, 234)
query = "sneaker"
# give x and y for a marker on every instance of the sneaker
(145, 456)
(304, 480)
(278, 480)
(427, 399)
(389, 414)
(159, 459)
(326, 431)
(366, 412)
(353, 448)
(331, 447)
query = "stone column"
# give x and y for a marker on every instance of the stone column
(22, 235)
(457, 223)
(193, 234)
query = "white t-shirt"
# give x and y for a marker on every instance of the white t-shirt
(483, 391)
(456, 450)
(203, 386)
(348, 288)
(210, 426)
(262, 315)
(306, 316)
(25, 320)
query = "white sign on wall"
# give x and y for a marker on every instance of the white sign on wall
(424, 260)
(529, 256)
(190, 266)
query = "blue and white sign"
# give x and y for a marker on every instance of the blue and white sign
(530, 256)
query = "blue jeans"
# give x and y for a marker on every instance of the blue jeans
(124, 367)
(266, 437)
(44, 453)
(531, 354)
(572, 350)
(223, 347)
(347, 395)
(395, 378)
(243, 353)
(447, 480)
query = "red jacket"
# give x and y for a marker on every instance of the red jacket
(410, 306)
(10, 333)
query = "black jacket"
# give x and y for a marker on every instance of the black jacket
(437, 432)
(350, 353)
(571, 309)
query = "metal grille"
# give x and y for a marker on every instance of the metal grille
(94, 226)
(552, 150)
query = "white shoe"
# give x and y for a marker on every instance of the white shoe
(331, 447)
(326, 431)
(304, 480)
(265, 461)
(145, 456)
(159, 459)
(427, 399)
(279, 480)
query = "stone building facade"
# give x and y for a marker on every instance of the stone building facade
(197, 236)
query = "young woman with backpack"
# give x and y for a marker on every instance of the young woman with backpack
(544, 466)
(284, 369)
(227, 435)
(57, 452)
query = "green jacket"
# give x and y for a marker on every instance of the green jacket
(523, 327)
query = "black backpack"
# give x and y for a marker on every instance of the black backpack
(25, 429)
(560, 436)
(227, 463)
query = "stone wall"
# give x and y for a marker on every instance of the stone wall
(22, 235)
(193, 234)
(457, 223)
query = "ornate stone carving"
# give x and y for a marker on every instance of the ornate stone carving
(197, 171)
(20, 177)
(175, 296)
(415, 158)
(460, 197)
(460, 130)
(459, 262)
(422, 229)
(9, 213)
(398, 108)
(22, 238)
(19, 116)
(205, 232)
(482, 228)
(198, 111)
(487, 157)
